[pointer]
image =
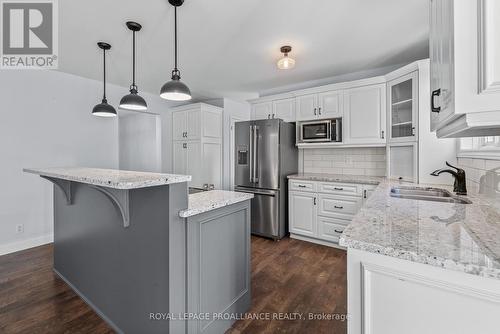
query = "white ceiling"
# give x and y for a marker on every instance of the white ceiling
(229, 48)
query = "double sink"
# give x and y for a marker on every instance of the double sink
(428, 194)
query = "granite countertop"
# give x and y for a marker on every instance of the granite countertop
(111, 178)
(360, 179)
(460, 237)
(211, 200)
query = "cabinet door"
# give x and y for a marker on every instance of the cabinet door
(284, 109)
(179, 125)
(402, 99)
(403, 163)
(193, 127)
(262, 110)
(435, 56)
(212, 164)
(330, 104)
(302, 213)
(364, 115)
(179, 157)
(194, 166)
(306, 107)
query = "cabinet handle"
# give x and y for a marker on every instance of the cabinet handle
(301, 186)
(315, 111)
(184, 145)
(336, 188)
(364, 193)
(268, 116)
(435, 93)
(273, 115)
(413, 131)
(339, 231)
(338, 207)
(314, 200)
(382, 135)
(319, 110)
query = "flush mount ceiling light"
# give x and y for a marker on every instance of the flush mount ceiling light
(175, 90)
(104, 109)
(286, 62)
(133, 101)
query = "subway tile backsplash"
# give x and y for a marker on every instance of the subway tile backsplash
(483, 176)
(352, 161)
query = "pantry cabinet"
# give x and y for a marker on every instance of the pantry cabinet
(319, 211)
(197, 144)
(365, 115)
(465, 67)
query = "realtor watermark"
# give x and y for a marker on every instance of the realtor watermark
(29, 34)
(264, 316)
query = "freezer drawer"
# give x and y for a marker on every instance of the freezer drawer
(264, 212)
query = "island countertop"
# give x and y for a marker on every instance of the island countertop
(460, 237)
(210, 200)
(111, 178)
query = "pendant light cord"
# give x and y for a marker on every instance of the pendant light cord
(175, 38)
(133, 60)
(104, 81)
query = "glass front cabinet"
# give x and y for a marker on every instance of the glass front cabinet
(402, 98)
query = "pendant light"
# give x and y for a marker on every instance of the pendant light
(286, 62)
(133, 101)
(104, 109)
(175, 90)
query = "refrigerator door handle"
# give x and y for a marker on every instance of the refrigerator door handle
(250, 152)
(255, 152)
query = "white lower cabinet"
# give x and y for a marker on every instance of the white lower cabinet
(319, 211)
(302, 213)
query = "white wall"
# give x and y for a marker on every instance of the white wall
(140, 141)
(45, 121)
(233, 110)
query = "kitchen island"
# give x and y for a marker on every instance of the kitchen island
(418, 266)
(145, 255)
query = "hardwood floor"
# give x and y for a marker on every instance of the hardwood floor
(288, 277)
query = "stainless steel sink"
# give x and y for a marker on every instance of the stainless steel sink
(427, 194)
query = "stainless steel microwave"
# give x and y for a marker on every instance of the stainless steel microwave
(321, 131)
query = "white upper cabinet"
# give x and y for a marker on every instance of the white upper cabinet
(402, 105)
(364, 114)
(319, 106)
(330, 104)
(284, 109)
(186, 124)
(262, 110)
(307, 107)
(465, 67)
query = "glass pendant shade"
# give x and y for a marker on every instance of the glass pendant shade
(175, 90)
(286, 62)
(104, 109)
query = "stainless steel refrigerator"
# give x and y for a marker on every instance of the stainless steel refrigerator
(265, 155)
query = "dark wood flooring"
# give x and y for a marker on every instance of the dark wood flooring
(288, 277)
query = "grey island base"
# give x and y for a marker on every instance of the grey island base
(121, 244)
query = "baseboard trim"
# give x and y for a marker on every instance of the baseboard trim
(26, 244)
(317, 241)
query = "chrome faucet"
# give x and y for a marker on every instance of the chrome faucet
(459, 186)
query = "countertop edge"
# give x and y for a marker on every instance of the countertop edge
(189, 212)
(163, 179)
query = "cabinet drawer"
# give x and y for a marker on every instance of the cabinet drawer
(330, 229)
(340, 188)
(343, 207)
(302, 185)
